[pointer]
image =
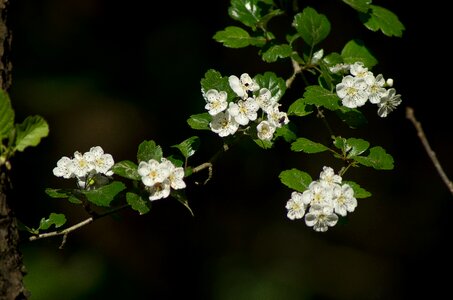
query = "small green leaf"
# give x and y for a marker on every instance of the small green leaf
(382, 19)
(312, 27)
(277, 51)
(359, 5)
(104, 195)
(355, 51)
(377, 158)
(6, 115)
(138, 203)
(246, 11)
(299, 108)
(58, 193)
(73, 199)
(307, 146)
(236, 37)
(359, 192)
(126, 169)
(264, 144)
(295, 179)
(149, 150)
(214, 80)
(30, 132)
(200, 121)
(189, 146)
(317, 95)
(351, 116)
(57, 220)
(286, 133)
(357, 146)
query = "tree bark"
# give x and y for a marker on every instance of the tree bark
(12, 269)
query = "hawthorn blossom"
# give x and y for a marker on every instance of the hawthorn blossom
(64, 168)
(375, 88)
(244, 86)
(352, 91)
(216, 101)
(244, 111)
(321, 217)
(224, 124)
(344, 200)
(296, 207)
(388, 102)
(265, 131)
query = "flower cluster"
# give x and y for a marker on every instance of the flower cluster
(160, 177)
(227, 117)
(360, 85)
(92, 167)
(323, 201)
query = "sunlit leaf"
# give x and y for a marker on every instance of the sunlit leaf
(277, 51)
(311, 26)
(189, 146)
(355, 51)
(378, 158)
(295, 179)
(126, 169)
(307, 146)
(138, 203)
(276, 85)
(383, 19)
(359, 192)
(200, 121)
(149, 150)
(104, 195)
(55, 219)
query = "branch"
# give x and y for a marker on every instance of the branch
(431, 153)
(66, 231)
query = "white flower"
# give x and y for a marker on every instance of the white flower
(265, 100)
(82, 163)
(375, 88)
(223, 124)
(175, 176)
(343, 199)
(295, 206)
(321, 217)
(389, 82)
(216, 101)
(243, 87)
(352, 91)
(328, 178)
(388, 102)
(244, 111)
(276, 117)
(320, 194)
(341, 67)
(159, 190)
(265, 131)
(153, 172)
(64, 168)
(102, 162)
(359, 70)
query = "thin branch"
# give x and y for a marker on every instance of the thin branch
(66, 231)
(297, 69)
(432, 155)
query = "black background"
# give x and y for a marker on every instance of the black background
(115, 74)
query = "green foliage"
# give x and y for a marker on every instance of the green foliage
(295, 179)
(383, 19)
(126, 169)
(104, 195)
(307, 146)
(30, 132)
(148, 150)
(199, 121)
(274, 84)
(6, 115)
(312, 27)
(138, 203)
(355, 50)
(236, 37)
(189, 146)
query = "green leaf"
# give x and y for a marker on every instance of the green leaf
(351, 116)
(359, 192)
(295, 179)
(277, 51)
(312, 27)
(189, 146)
(355, 51)
(276, 85)
(73, 199)
(236, 37)
(200, 121)
(299, 108)
(104, 195)
(359, 5)
(57, 220)
(214, 80)
(181, 197)
(126, 169)
(6, 115)
(149, 150)
(58, 193)
(138, 203)
(316, 95)
(382, 19)
(30, 132)
(264, 144)
(356, 146)
(245, 11)
(286, 133)
(307, 146)
(377, 158)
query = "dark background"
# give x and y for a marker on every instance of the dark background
(115, 74)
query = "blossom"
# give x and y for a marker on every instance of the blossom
(344, 200)
(328, 178)
(295, 206)
(244, 111)
(265, 131)
(265, 100)
(82, 163)
(243, 86)
(159, 190)
(375, 88)
(352, 91)
(64, 168)
(224, 124)
(102, 162)
(152, 172)
(388, 102)
(276, 117)
(216, 101)
(321, 217)
(358, 70)
(175, 175)
(317, 56)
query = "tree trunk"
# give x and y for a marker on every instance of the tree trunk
(12, 269)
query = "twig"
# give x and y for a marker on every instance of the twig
(66, 231)
(296, 70)
(431, 153)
